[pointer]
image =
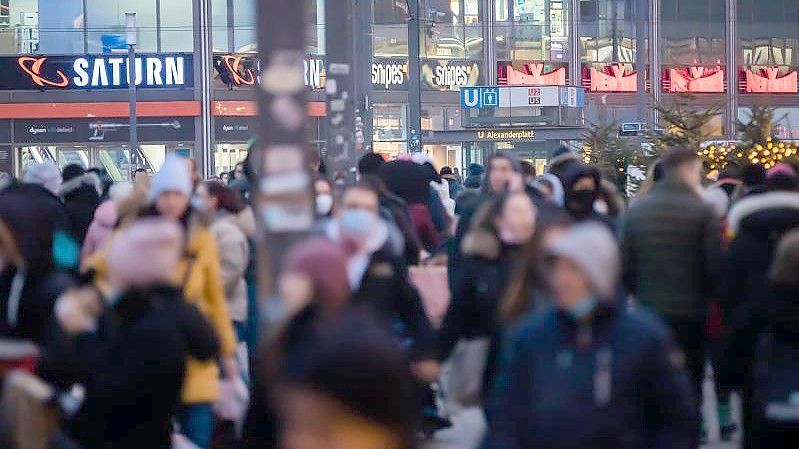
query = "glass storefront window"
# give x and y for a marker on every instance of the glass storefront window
(538, 31)
(786, 124)
(606, 31)
(693, 32)
(116, 160)
(390, 28)
(106, 25)
(226, 156)
(768, 32)
(389, 122)
(452, 29)
(449, 155)
(235, 26)
(63, 27)
(177, 29)
(41, 26)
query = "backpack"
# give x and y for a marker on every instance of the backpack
(777, 380)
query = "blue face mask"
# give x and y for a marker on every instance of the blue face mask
(357, 222)
(583, 308)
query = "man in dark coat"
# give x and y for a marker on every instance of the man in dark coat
(475, 178)
(33, 215)
(588, 373)
(81, 194)
(671, 246)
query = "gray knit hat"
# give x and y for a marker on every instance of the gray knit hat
(785, 269)
(592, 247)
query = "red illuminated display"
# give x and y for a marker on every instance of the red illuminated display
(769, 80)
(695, 79)
(610, 78)
(530, 74)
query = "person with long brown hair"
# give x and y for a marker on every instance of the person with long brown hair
(527, 286)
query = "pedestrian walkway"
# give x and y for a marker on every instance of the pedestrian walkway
(469, 427)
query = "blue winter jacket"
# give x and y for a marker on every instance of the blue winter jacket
(614, 383)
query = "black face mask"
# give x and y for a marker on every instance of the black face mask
(580, 203)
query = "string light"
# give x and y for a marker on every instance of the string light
(769, 155)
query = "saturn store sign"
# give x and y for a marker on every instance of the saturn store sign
(39, 72)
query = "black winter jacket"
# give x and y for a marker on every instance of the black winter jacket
(386, 290)
(618, 389)
(34, 216)
(80, 204)
(132, 368)
(758, 223)
(671, 249)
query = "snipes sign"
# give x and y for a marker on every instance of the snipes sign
(39, 72)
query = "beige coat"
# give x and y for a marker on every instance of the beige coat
(234, 256)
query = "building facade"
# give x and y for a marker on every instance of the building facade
(63, 82)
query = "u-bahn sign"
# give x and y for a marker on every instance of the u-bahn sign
(83, 72)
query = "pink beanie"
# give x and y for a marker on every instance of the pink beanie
(145, 253)
(781, 169)
(325, 263)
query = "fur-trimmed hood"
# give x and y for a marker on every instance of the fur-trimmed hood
(86, 179)
(758, 203)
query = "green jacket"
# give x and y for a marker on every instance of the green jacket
(671, 249)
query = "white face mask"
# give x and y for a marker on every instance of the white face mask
(324, 204)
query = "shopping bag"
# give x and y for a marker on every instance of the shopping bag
(233, 402)
(29, 420)
(464, 371)
(433, 286)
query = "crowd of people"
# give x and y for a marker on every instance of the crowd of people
(573, 316)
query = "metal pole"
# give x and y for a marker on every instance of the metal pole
(134, 135)
(414, 80)
(341, 95)
(641, 7)
(281, 188)
(364, 56)
(131, 37)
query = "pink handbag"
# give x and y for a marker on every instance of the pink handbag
(432, 283)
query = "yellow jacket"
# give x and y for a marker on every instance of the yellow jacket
(202, 286)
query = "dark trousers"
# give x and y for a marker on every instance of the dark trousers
(691, 339)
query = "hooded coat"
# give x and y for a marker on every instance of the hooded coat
(484, 273)
(132, 368)
(81, 199)
(33, 216)
(620, 390)
(572, 173)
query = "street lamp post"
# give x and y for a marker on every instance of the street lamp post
(132, 40)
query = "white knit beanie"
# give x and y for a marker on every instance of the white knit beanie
(45, 174)
(592, 247)
(173, 176)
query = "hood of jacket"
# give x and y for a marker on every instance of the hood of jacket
(573, 172)
(758, 212)
(83, 183)
(33, 214)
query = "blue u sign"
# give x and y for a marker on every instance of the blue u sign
(470, 97)
(479, 97)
